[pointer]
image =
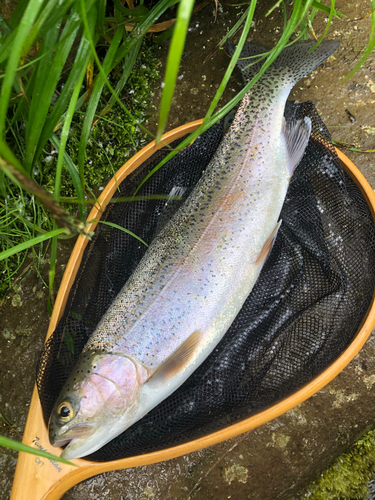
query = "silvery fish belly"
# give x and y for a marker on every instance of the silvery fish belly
(198, 271)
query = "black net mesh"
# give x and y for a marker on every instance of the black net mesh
(304, 310)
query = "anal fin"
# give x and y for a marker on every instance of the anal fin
(178, 359)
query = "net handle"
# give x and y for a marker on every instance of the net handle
(49, 481)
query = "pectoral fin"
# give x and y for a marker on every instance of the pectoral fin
(267, 247)
(178, 359)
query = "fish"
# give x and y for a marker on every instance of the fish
(198, 270)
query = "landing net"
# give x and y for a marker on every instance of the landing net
(304, 310)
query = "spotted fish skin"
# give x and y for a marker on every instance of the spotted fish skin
(198, 271)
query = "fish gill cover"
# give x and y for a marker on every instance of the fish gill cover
(304, 310)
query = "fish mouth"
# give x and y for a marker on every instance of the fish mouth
(81, 446)
(80, 431)
(59, 443)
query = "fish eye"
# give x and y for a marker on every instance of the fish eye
(65, 411)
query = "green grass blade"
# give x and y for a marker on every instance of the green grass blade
(128, 66)
(74, 174)
(319, 6)
(6, 47)
(38, 103)
(34, 241)
(29, 224)
(18, 13)
(370, 44)
(116, 226)
(32, 62)
(101, 7)
(304, 26)
(24, 104)
(57, 112)
(64, 137)
(81, 101)
(65, 132)
(235, 27)
(275, 6)
(49, 73)
(331, 13)
(14, 170)
(5, 28)
(52, 272)
(302, 11)
(139, 11)
(158, 40)
(2, 184)
(122, 199)
(27, 21)
(173, 63)
(233, 61)
(51, 16)
(368, 50)
(94, 99)
(15, 445)
(42, 23)
(10, 157)
(141, 29)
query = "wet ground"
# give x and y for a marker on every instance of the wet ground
(280, 458)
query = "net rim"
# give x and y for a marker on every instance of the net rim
(35, 425)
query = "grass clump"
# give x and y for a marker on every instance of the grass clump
(20, 218)
(113, 140)
(114, 137)
(348, 477)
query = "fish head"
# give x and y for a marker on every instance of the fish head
(100, 392)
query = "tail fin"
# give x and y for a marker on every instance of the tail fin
(296, 57)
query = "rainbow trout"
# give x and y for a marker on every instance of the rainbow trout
(197, 272)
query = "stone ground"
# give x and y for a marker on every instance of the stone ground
(279, 459)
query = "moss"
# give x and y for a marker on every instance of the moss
(149, 493)
(16, 300)
(8, 335)
(236, 472)
(280, 439)
(348, 477)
